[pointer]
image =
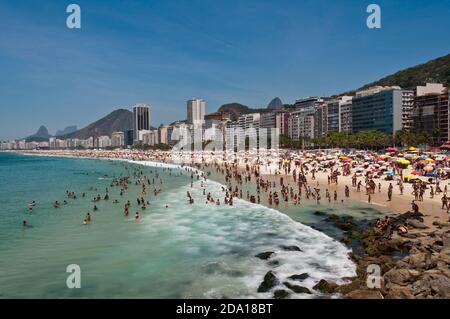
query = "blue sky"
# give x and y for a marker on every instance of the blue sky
(163, 52)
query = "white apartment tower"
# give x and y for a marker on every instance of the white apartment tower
(196, 111)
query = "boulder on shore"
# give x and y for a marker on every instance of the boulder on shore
(270, 281)
(291, 248)
(364, 294)
(297, 289)
(299, 277)
(266, 255)
(325, 287)
(280, 294)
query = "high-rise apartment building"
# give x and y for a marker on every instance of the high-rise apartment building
(141, 120)
(118, 139)
(383, 109)
(302, 124)
(345, 114)
(196, 111)
(431, 112)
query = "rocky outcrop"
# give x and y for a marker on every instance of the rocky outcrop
(269, 282)
(266, 255)
(297, 289)
(325, 287)
(364, 294)
(299, 277)
(412, 267)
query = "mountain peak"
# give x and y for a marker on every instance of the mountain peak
(41, 134)
(275, 104)
(118, 120)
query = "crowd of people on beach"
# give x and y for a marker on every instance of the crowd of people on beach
(282, 178)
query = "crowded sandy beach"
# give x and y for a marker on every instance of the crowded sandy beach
(394, 179)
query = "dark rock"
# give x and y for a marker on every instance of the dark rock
(270, 281)
(266, 255)
(355, 284)
(291, 248)
(280, 294)
(325, 287)
(274, 263)
(297, 289)
(318, 213)
(410, 236)
(417, 224)
(439, 243)
(299, 277)
(400, 277)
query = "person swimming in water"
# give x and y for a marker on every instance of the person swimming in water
(137, 216)
(26, 225)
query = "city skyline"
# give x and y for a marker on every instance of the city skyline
(163, 53)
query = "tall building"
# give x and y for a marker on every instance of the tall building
(282, 122)
(150, 138)
(129, 137)
(431, 112)
(268, 120)
(118, 139)
(383, 109)
(302, 124)
(321, 120)
(196, 111)
(338, 113)
(309, 102)
(248, 121)
(333, 119)
(345, 114)
(163, 134)
(141, 120)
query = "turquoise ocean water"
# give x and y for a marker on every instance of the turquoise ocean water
(184, 251)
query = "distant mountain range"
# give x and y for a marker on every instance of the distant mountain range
(67, 130)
